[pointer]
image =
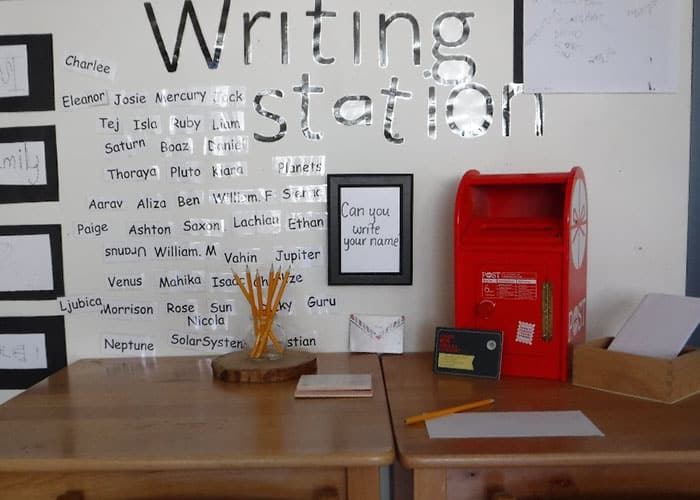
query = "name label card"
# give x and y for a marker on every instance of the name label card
(25, 351)
(22, 163)
(14, 71)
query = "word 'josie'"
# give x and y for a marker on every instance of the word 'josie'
(448, 68)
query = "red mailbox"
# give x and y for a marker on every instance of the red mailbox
(520, 265)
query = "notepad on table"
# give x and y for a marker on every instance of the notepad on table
(513, 424)
(334, 385)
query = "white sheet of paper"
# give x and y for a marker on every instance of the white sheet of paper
(512, 424)
(620, 46)
(369, 218)
(659, 327)
(25, 263)
(23, 351)
(22, 163)
(14, 71)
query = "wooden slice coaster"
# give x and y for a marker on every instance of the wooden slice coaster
(238, 367)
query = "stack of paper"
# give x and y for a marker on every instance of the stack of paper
(335, 385)
(659, 327)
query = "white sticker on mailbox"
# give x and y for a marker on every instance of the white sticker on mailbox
(508, 285)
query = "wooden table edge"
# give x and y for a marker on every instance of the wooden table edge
(220, 463)
(547, 460)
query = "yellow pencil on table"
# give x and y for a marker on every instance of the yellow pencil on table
(448, 411)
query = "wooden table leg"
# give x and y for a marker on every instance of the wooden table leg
(429, 484)
(363, 483)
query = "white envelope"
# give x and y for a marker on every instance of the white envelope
(375, 333)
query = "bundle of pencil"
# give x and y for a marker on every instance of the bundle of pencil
(263, 312)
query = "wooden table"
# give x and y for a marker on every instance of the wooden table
(649, 449)
(163, 428)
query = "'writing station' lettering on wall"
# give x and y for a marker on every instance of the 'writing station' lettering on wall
(450, 68)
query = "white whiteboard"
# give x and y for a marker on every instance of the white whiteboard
(601, 46)
(633, 149)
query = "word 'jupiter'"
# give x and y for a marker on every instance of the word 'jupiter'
(301, 254)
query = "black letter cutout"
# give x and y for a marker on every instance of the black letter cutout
(188, 10)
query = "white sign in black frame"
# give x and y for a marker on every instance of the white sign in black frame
(39, 92)
(370, 229)
(32, 248)
(52, 328)
(34, 167)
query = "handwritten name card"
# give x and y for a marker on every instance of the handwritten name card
(14, 71)
(25, 351)
(22, 163)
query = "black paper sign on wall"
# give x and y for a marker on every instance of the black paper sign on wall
(31, 262)
(31, 349)
(26, 73)
(28, 164)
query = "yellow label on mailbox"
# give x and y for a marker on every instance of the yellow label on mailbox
(456, 361)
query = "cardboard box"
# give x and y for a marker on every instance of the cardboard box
(664, 380)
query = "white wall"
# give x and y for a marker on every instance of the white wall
(632, 147)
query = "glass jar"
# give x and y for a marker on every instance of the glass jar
(266, 345)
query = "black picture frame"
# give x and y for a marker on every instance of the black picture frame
(55, 242)
(40, 74)
(54, 331)
(27, 193)
(371, 271)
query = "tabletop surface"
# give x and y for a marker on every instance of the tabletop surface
(636, 431)
(169, 413)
